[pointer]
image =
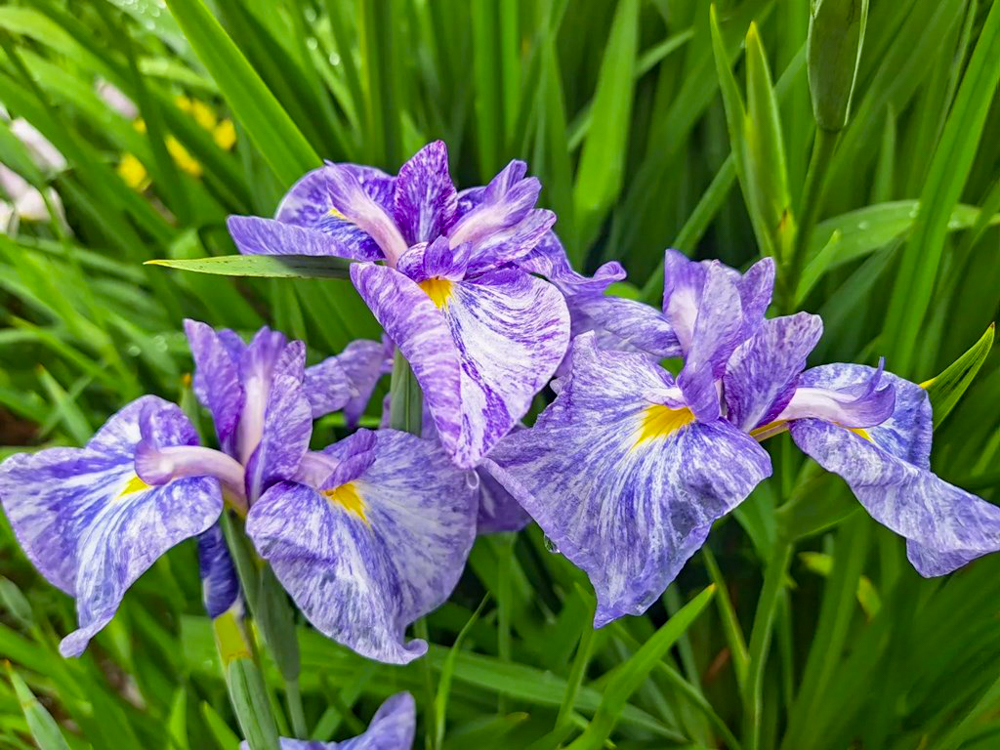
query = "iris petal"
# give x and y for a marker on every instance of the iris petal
(628, 511)
(362, 581)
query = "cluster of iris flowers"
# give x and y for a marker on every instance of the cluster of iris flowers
(625, 471)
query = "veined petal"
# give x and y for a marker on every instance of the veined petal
(511, 331)
(90, 525)
(907, 432)
(425, 198)
(437, 260)
(308, 201)
(415, 324)
(626, 489)
(392, 728)
(945, 526)
(713, 339)
(501, 204)
(285, 434)
(856, 401)
(498, 509)
(328, 387)
(548, 258)
(623, 324)
(755, 287)
(334, 237)
(269, 356)
(364, 559)
(762, 373)
(216, 380)
(220, 587)
(352, 202)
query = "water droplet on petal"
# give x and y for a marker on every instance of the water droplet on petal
(472, 480)
(550, 545)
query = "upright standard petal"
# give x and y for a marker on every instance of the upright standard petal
(392, 728)
(425, 198)
(217, 379)
(627, 489)
(285, 436)
(714, 337)
(762, 373)
(371, 548)
(90, 525)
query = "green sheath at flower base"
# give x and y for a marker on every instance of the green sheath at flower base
(836, 35)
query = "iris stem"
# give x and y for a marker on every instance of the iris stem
(760, 641)
(405, 397)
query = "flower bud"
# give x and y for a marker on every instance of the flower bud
(836, 34)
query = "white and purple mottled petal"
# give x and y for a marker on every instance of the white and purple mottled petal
(365, 557)
(217, 378)
(425, 197)
(435, 260)
(548, 258)
(220, 587)
(945, 526)
(714, 337)
(336, 237)
(498, 510)
(90, 525)
(328, 387)
(762, 373)
(285, 435)
(415, 324)
(393, 727)
(308, 201)
(625, 488)
(623, 324)
(511, 331)
(756, 287)
(847, 395)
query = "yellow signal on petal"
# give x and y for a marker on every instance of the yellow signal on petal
(860, 433)
(439, 290)
(346, 496)
(334, 211)
(659, 421)
(134, 485)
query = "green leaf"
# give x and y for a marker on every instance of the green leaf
(861, 232)
(947, 388)
(225, 738)
(914, 287)
(267, 266)
(42, 726)
(630, 675)
(284, 147)
(16, 604)
(766, 178)
(448, 671)
(602, 163)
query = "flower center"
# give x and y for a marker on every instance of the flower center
(346, 496)
(438, 289)
(659, 421)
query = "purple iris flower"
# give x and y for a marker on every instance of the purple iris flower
(94, 519)
(629, 467)
(367, 535)
(371, 534)
(872, 428)
(392, 728)
(455, 294)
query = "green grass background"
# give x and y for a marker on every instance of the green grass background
(647, 130)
